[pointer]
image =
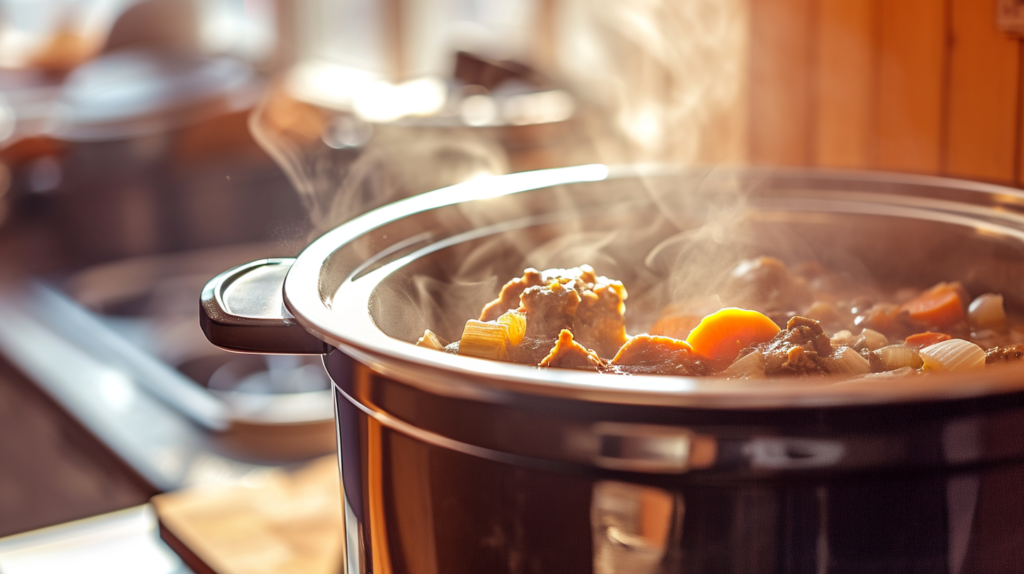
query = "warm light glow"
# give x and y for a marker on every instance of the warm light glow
(383, 102)
(117, 390)
(125, 542)
(539, 108)
(479, 110)
(8, 121)
(330, 85)
(372, 99)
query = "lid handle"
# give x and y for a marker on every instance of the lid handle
(243, 310)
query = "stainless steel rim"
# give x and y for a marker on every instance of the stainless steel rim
(352, 329)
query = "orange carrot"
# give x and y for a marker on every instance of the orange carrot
(927, 339)
(941, 306)
(722, 335)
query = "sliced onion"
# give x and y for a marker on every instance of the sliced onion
(871, 340)
(847, 361)
(843, 338)
(986, 312)
(953, 355)
(430, 340)
(750, 366)
(898, 356)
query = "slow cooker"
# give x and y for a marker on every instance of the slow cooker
(452, 464)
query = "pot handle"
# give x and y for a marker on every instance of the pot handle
(243, 310)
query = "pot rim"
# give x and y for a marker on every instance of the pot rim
(469, 377)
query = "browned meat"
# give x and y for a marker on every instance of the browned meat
(599, 323)
(877, 366)
(799, 349)
(767, 285)
(648, 355)
(531, 350)
(574, 299)
(568, 354)
(508, 299)
(1006, 354)
(886, 318)
(550, 308)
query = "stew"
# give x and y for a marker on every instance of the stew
(770, 320)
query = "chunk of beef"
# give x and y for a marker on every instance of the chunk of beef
(651, 355)
(767, 285)
(599, 318)
(531, 350)
(577, 299)
(550, 308)
(886, 318)
(799, 349)
(1007, 354)
(568, 354)
(508, 299)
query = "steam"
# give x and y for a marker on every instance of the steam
(672, 73)
(660, 81)
(678, 242)
(341, 166)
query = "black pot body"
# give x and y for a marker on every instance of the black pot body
(948, 500)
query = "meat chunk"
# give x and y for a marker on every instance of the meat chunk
(550, 308)
(799, 349)
(599, 322)
(577, 300)
(508, 299)
(1007, 354)
(886, 318)
(767, 285)
(531, 350)
(652, 355)
(568, 354)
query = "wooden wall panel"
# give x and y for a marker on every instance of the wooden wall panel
(984, 68)
(846, 31)
(781, 49)
(927, 86)
(909, 92)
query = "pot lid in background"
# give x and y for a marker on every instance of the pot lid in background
(133, 93)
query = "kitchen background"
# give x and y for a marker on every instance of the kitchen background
(145, 146)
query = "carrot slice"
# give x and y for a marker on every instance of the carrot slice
(940, 306)
(723, 334)
(927, 339)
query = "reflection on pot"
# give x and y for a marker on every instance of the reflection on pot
(633, 527)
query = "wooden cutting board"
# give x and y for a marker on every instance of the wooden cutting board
(276, 522)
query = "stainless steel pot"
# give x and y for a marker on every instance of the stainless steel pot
(452, 464)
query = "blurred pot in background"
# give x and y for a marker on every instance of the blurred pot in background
(350, 140)
(148, 151)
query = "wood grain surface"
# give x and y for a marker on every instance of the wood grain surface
(984, 68)
(780, 81)
(925, 86)
(845, 82)
(911, 81)
(277, 522)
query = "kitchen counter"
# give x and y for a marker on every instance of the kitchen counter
(51, 469)
(123, 542)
